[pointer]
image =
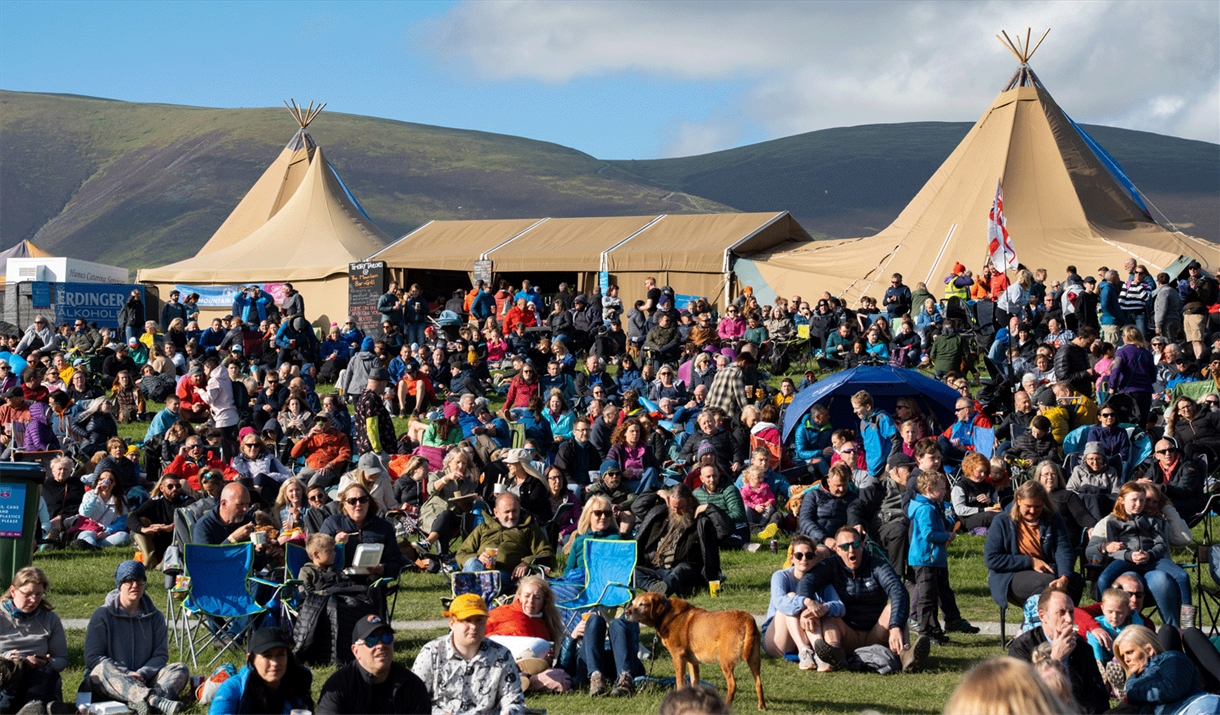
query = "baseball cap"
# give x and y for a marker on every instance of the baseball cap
(369, 625)
(899, 459)
(370, 463)
(265, 639)
(467, 606)
(515, 456)
(13, 392)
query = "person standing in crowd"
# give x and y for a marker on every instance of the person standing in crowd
(466, 673)
(374, 425)
(127, 649)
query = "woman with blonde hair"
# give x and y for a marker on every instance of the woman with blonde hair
(1003, 686)
(531, 614)
(597, 521)
(290, 506)
(32, 638)
(1159, 680)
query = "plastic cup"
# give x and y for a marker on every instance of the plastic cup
(258, 538)
(713, 589)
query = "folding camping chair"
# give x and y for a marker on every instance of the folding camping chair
(295, 556)
(220, 599)
(609, 570)
(487, 584)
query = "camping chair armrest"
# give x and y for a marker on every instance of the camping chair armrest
(264, 582)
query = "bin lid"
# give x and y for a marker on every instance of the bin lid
(28, 471)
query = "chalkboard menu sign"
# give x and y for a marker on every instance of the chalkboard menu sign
(365, 284)
(482, 272)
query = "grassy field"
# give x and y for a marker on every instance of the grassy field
(80, 582)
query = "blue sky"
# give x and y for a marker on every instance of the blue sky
(627, 80)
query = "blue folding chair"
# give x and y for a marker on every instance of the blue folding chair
(984, 441)
(1074, 441)
(220, 599)
(295, 556)
(609, 569)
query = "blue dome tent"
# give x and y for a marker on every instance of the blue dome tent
(886, 384)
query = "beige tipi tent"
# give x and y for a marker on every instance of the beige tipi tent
(1063, 206)
(297, 224)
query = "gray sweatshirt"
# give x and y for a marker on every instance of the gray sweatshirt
(136, 643)
(40, 635)
(1106, 481)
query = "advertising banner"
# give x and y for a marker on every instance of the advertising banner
(222, 296)
(92, 302)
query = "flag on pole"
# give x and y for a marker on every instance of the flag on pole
(999, 244)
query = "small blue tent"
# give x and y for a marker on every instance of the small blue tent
(886, 384)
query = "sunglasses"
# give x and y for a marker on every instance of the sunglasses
(600, 512)
(849, 546)
(1106, 414)
(356, 501)
(249, 444)
(1132, 593)
(802, 555)
(382, 639)
(1166, 451)
(316, 498)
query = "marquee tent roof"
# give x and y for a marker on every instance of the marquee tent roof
(1065, 200)
(317, 228)
(691, 243)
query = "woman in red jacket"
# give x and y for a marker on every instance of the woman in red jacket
(532, 613)
(523, 387)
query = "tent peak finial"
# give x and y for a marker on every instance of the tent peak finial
(303, 115)
(1022, 50)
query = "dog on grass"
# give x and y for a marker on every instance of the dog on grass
(693, 636)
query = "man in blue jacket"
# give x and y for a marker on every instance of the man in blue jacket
(877, 432)
(873, 595)
(1112, 316)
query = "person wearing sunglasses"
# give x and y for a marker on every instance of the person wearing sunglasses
(271, 682)
(875, 601)
(1114, 441)
(782, 631)
(373, 682)
(1180, 478)
(359, 523)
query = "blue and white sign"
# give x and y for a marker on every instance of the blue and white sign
(682, 301)
(12, 509)
(223, 296)
(40, 295)
(92, 302)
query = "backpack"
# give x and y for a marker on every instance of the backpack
(207, 689)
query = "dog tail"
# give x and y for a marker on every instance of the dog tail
(751, 645)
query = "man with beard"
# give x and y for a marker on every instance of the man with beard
(674, 556)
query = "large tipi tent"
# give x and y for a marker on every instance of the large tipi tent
(23, 249)
(298, 224)
(1066, 202)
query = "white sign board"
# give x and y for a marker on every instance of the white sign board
(64, 270)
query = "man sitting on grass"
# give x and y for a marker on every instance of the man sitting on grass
(874, 597)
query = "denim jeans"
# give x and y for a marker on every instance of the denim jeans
(623, 654)
(649, 481)
(414, 333)
(1168, 583)
(117, 538)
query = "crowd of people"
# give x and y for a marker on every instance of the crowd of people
(535, 424)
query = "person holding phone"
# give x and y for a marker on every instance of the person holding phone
(32, 635)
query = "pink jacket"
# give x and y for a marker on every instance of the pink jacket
(761, 496)
(731, 328)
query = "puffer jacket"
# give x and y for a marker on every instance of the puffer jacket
(822, 513)
(811, 438)
(1027, 446)
(929, 533)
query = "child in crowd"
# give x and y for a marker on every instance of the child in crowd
(975, 501)
(321, 572)
(1116, 614)
(759, 500)
(910, 435)
(1036, 444)
(777, 482)
(928, 555)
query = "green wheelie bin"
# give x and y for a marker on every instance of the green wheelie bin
(20, 488)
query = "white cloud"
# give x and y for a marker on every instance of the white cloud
(686, 138)
(807, 66)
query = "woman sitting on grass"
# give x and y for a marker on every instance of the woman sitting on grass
(781, 632)
(103, 516)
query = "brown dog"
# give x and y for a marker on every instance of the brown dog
(695, 636)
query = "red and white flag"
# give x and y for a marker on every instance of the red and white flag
(999, 244)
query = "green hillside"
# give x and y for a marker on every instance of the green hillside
(852, 181)
(145, 184)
